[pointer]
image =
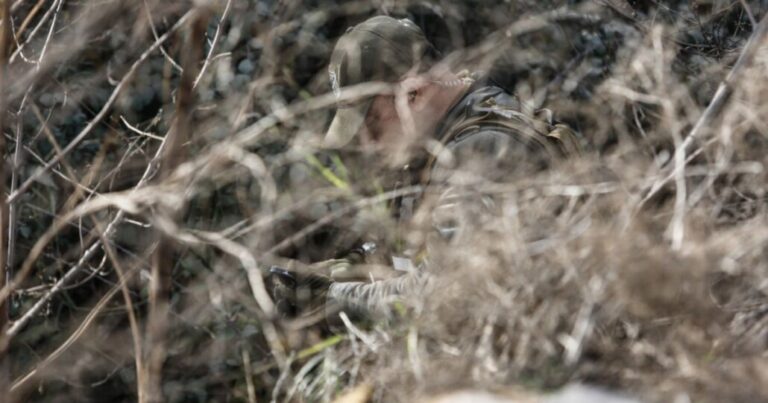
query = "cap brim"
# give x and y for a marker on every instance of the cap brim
(346, 123)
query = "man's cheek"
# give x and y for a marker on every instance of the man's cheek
(368, 133)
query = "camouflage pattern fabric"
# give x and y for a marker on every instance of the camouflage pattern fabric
(489, 131)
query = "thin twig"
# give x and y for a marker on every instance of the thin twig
(70, 172)
(57, 172)
(141, 375)
(722, 94)
(13, 210)
(86, 323)
(16, 168)
(5, 40)
(748, 10)
(213, 43)
(28, 18)
(154, 33)
(137, 131)
(32, 34)
(165, 254)
(16, 5)
(50, 33)
(102, 113)
(87, 255)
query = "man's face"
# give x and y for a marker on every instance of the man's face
(395, 123)
(382, 124)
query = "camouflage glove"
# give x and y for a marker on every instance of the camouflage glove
(297, 294)
(302, 293)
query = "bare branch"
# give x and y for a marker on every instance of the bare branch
(102, 113)
(154, 33)
(213, 43)
(165, 254)
(53, 9)
(123, 276)
(722, 94)
(76, 335)
(5, 41)
(88, 254)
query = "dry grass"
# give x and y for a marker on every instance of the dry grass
(640, 266)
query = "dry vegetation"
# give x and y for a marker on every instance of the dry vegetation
(159, 155)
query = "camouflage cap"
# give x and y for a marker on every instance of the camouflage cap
(380, 49)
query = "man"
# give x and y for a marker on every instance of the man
(474, 132)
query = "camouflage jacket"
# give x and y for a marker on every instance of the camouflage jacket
(489, 132)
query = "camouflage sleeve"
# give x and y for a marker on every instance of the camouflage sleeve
(375, 300)
(489, 155)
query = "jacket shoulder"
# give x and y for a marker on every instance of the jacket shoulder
(492, 113)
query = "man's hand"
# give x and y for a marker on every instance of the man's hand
(297, 293)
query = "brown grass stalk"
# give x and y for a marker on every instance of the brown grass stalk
(165, 254)
(5, 43)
